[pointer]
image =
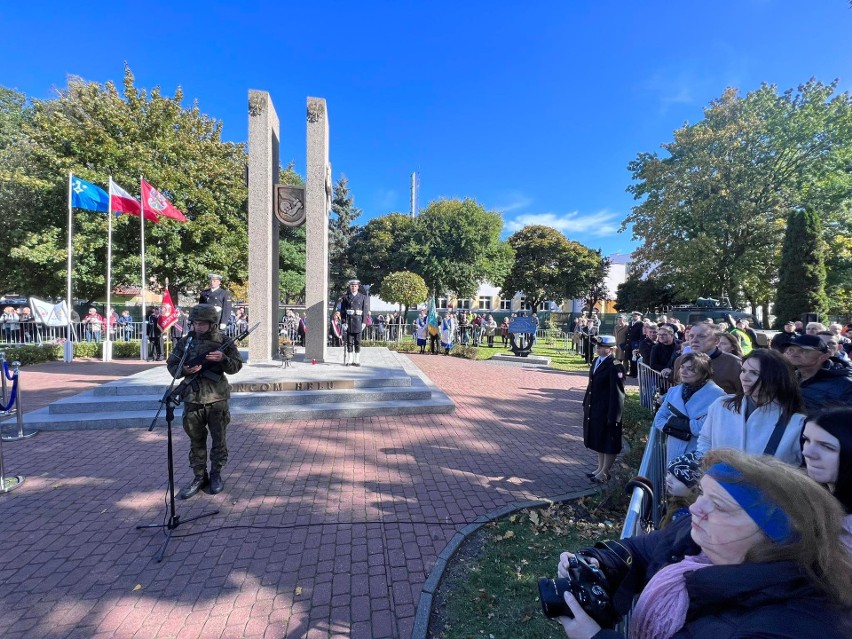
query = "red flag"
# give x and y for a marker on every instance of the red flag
(155, 201)
(123, 202)
(168, 313)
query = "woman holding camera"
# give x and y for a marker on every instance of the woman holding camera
(827, 449)
(685, 406)
(764, 417)
(760, 556)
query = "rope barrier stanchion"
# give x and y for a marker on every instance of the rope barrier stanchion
(14, 403)
(8, 484)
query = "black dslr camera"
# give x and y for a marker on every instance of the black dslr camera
(590, 588)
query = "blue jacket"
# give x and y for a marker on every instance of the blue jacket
(696, 409)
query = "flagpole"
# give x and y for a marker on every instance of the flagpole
(68, 351)
(143, 354)
(107, 354)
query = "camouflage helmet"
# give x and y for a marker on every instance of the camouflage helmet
(204, 313)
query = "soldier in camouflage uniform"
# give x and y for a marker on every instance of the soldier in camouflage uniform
(206, 405)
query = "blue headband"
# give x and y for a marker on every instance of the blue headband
(768, 515)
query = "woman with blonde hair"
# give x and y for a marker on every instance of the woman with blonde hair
(762, 558)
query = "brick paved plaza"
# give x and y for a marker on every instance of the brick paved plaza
(327, 528)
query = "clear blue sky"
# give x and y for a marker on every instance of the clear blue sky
(531, 108)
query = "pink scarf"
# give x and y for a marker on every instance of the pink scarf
(661, 609)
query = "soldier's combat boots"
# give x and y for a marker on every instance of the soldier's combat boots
(216, 483)
(197, 484)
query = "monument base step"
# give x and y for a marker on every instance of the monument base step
(529, 360)
(387, 383)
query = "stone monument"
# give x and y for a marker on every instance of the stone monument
(263, 227)
(317, 206)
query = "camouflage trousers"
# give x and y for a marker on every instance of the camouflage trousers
(198, 420)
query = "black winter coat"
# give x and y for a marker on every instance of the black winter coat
(602, 406)
(773, 600)
(661, 355)
(831, 386)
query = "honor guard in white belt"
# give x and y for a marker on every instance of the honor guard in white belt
(218, 297)
(354, 306)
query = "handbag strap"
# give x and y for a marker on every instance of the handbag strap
(775, 438)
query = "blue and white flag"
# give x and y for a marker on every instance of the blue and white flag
(88, 196)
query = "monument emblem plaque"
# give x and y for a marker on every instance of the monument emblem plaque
(521, 335)
(290, 204)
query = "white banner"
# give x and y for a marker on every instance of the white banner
(48, 313)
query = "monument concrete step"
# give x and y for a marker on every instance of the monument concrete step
(156, 384)
(90, 402)
(43, 420)
(387, 383)
(529, 360)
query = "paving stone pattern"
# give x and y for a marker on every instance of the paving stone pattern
(327, 528)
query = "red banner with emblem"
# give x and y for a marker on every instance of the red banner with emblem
(168, 313)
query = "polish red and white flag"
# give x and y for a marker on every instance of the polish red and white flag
(122, 202)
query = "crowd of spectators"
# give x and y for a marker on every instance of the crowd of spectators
(758, 535)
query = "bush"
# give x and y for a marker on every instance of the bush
(86, 349)
(32, 353)
(126, 350)
(465, 352)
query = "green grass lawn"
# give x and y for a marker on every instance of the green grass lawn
(491, 590)
(560, 358)
(490, 587)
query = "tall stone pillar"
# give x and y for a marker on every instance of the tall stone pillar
(317, 208)
(263, 261)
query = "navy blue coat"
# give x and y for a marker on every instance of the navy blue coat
(751, 600)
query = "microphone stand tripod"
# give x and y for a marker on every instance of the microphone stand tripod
(170, 400)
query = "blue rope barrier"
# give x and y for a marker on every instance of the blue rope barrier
(6, 370)
(14, 394)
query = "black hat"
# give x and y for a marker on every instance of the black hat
(810, 343)
(686, 468)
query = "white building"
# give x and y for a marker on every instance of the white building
(488, 297)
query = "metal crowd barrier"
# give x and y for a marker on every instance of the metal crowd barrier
(650, 384)
(36, 333)
(643, 516)
(645, 511)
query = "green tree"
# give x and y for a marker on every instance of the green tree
(383, 245)
(19, 188)
(97, 132)
(404, 288)
(340, 232)
(456, 245)
(838, 264)
(646, 294)
(801, 284)
(712, 213)
(548, 266)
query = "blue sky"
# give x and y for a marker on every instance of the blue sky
(531, 108)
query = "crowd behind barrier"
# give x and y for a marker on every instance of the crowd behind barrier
(41, 334)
